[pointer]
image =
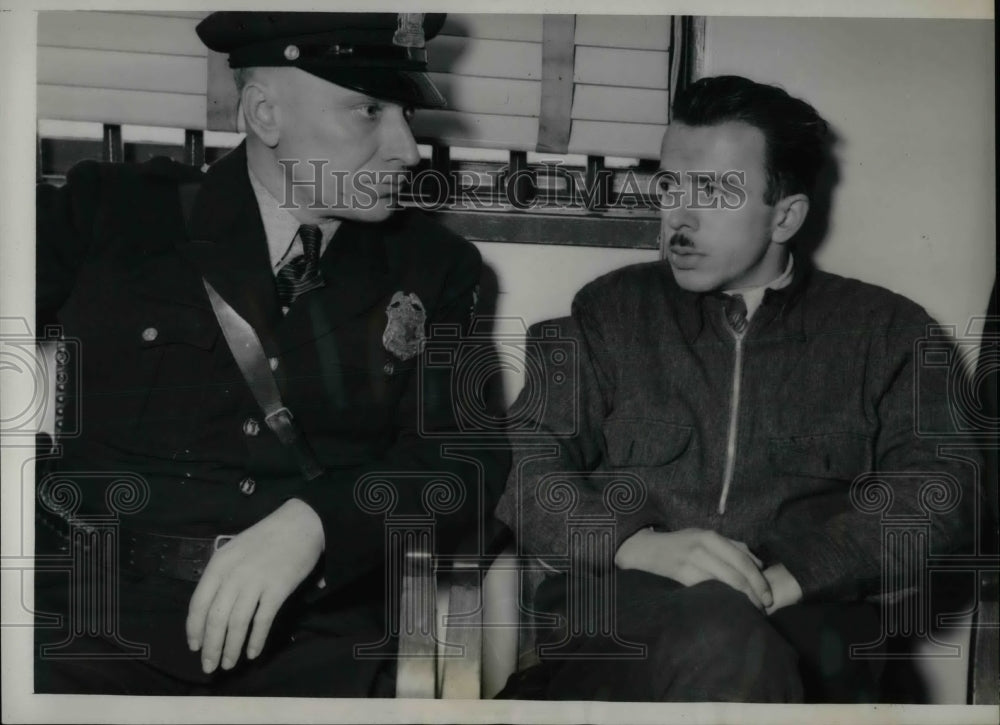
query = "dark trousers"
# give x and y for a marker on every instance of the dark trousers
(700, 643)
(142, 649)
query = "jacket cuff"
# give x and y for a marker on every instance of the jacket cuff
(817, 565)
(342, 521)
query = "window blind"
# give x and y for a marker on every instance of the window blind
(490, 69)
(151, 69)
(621, 85)
(122, 68)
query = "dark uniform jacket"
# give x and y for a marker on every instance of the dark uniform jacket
(160, 394)
(826, 388)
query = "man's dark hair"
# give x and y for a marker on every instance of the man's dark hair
(795, 135)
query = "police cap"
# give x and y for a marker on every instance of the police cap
(380, 54)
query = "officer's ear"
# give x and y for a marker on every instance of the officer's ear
(789, 215)
(260, 109)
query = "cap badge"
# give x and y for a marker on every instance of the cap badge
(404, 332)
(409, 30)
(291, 52)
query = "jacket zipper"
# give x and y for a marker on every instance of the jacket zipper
(734, 412)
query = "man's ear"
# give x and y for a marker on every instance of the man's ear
(260, 111)
(789, 215)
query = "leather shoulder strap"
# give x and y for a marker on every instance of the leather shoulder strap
(249, 354)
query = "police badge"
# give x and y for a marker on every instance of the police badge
(409, 30)
(404, 332)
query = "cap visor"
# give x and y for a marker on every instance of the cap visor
(411, 88)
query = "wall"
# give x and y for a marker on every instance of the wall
(913, 102)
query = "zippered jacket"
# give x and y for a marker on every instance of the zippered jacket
(813, 437)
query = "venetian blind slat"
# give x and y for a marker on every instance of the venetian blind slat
(501, 96)
(451, 128)
(107, 105)
(485, 58)
(119, 31)
(153, 72)
(622, 67)
(500, 26)
(626, 105)
(639, 140)
(646, 32)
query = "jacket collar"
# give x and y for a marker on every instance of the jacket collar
(690, 315)
(788, 305)
(226, 243)
(784, 305)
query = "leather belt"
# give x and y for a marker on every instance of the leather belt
(145, 554)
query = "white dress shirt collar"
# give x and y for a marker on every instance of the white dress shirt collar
(753, 296)
(281, 228)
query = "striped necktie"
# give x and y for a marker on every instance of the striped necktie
(736, 313)
(301, 273)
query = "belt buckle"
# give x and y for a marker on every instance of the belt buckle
(282, 423)
(220, 541)
(280, 417)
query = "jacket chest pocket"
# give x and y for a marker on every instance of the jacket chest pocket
(175, 354)
(839, 456)
(644, 442)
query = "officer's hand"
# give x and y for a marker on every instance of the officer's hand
(784, 587)
(691, 556)
(248, 580)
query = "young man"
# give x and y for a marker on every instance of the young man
(249, 343)
(726, 400)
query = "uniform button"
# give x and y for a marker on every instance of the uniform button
(273, 362)
(248, 486)
(389, 368)
(251, 427)
(150, 334)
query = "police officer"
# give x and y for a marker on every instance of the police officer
(249, 344)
